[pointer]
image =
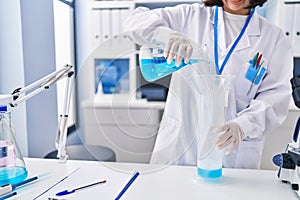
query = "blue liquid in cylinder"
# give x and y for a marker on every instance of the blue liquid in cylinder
(156, 68)
(210, 174)
(13, 174)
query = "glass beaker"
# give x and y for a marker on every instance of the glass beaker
(12, 166)
(213, 90)
(154, 65)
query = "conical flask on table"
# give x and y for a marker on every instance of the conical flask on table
(12, 165)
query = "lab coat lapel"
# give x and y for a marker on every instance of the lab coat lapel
(252, 30)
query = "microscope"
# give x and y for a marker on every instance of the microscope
(289, 161)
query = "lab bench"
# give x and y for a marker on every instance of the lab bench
(154, 182)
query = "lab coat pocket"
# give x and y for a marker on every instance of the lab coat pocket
(247, 83)
(249, 154)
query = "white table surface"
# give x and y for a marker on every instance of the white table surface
(155, 182)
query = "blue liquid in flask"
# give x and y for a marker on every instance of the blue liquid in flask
(156, 68)
(13, 174)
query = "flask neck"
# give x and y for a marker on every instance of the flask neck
(5, 119)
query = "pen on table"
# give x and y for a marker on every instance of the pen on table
(8, 196)
(57, 183)
(134, 176)
(65, 192)
(4, 189)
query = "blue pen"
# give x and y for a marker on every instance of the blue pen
(24, 182)
(10, 187)
(135, 175)
(8, 196)
(65, 192)
(255, 78)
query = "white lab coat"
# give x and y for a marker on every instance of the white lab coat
(258, 113)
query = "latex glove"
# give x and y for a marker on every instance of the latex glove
(229, 134)
(179, 47)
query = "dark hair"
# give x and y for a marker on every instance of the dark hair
(252, 4)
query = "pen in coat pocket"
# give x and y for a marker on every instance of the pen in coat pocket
(258, 61)
(255, 59)
(256, 76)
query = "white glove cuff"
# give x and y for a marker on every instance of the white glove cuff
(162, 35)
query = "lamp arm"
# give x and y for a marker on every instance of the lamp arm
(40, 85)
(17, 97)
(62, 128)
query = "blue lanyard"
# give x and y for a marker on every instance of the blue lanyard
(218, 69)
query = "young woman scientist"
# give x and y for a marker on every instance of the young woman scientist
(234, 34)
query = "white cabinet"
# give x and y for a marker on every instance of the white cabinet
(285, 14)
(296, 30)
(128, 129)
(291, 24)
(107, 19)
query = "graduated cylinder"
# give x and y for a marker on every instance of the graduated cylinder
(213, 90)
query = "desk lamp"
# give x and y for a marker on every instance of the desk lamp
(18, 96)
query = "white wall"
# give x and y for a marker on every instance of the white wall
(27, 53)
(84, 49)
(39, 60)
(11, 64)
(64, 53)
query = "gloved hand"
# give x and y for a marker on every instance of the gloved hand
(230, 133)
(178, 46)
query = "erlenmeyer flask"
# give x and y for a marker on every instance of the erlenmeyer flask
(153, 64)
(12, 166)
(213, 90)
